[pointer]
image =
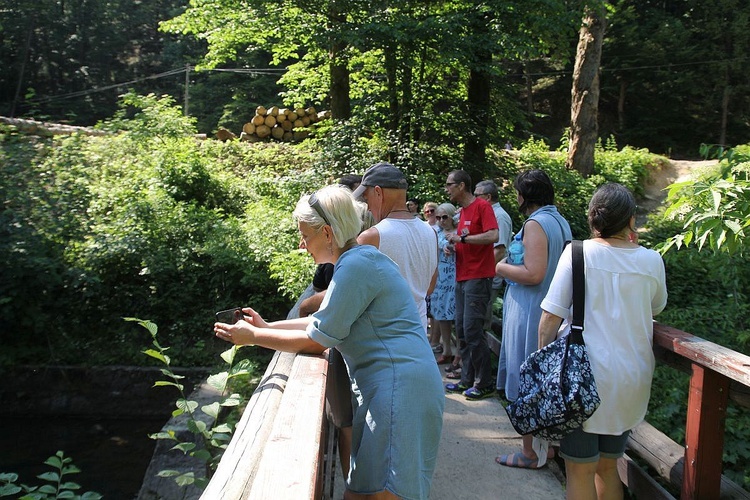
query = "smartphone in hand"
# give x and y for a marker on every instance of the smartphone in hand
(230, 316)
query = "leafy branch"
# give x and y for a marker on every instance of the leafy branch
(58, 487)
(209, 442)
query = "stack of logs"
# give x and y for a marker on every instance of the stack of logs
(281, 124)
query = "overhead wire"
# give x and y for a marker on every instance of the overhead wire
(279, 71)
(83, 93)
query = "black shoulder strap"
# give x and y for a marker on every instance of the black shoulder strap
(579, 287)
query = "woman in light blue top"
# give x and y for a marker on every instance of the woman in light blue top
(369, 315)
(544, 235)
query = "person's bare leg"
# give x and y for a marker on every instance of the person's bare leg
(434, 332)
(345, 449)
(445, 336)
(383, 495)
(579, 478)
(607, 480)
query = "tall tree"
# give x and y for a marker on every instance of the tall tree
(584, 128)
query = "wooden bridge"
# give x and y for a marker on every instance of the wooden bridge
(283, 446)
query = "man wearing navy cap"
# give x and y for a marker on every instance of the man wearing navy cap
(407, 240)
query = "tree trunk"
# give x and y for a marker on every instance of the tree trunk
(584, 129)
(478, 97)
(621, 106)
(725, 108)
(405, 108)
(529, 90)
(475, 148)
(341, 106)
(391, 74)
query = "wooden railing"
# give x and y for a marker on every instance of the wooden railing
(277, 450)
(717, 374)
(278, 447)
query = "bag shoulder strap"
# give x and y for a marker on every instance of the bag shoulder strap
(579, 289)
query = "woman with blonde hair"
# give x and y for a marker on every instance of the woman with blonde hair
(398, 395)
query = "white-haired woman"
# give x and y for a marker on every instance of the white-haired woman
(369, 315)
(443, 298)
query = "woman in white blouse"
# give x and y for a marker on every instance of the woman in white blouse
(625, 288)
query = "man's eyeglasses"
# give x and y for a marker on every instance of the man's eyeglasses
(315, 203)
(481, 194)
(443, 217)
(447, 184)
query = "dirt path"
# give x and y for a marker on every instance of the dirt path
(655, 190)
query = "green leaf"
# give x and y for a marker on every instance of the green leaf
(229, 354)
(211, 410)
(148, 325)
(218, 381)
(196, 426)
(203, 455)
(54, 461)
(185, 479)
(91, 495)
(8, 477)
(66, 494)
(187, 405)
(7, 490)
(164, 383)
(171, 374)
(163, 435)
(70, 486)
(184, 447)
(232, 400)
(734, 226)
(221, 428)
(157, 355)
(49, 476)
(168, 473)
(48, 488)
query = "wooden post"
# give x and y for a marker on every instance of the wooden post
(704, 433)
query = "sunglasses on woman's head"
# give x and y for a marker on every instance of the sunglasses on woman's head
(315, 204)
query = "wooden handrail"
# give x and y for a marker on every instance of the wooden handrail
(278, 444)
(716, 375)
(277, 448)
(712, 368)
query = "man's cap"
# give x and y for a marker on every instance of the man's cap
(382, 174)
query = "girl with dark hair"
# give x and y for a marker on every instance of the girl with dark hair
(544, 235)
(625, 288)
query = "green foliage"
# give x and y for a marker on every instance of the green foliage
(708, 290)
(713, 207)
(572, 192)
(213, 431)
(149, 221)
(294, 271)
(56, 485)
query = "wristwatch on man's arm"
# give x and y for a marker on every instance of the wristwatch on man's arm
(463, 238)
